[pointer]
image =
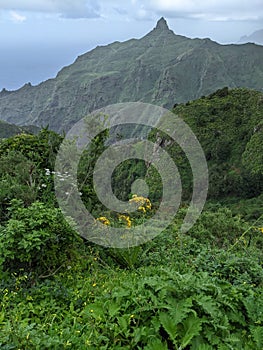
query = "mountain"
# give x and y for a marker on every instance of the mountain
(161, 68)
(256, 38)
(8, 130)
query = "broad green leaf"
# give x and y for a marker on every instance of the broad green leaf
(123, 324)
(156, 345)
(169, 325)
(113, 308)
(208, 305)
(181, 310)
(192, 326)
(257, 333)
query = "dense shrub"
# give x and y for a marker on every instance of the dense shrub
(36, 238)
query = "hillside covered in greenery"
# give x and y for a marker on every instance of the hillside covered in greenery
(198, 290)
(229, 126)
(8, 130)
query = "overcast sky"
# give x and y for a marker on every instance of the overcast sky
(39, 37)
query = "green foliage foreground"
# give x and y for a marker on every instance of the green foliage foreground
(99, 306)
(201, 290)
(175, 292)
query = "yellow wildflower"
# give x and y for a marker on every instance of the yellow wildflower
(148, 204)
(142, 209)
(144, 203)
(127, 220)
(103, 220)
(261, 229)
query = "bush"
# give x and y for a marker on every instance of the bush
(36, 238)
(219, 227)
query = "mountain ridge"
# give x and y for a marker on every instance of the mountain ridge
(256, 37)
(162, 68)
(8, 130)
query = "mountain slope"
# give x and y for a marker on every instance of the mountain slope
(256, 37)
(229, 126)
(8, 130)
(160, 68)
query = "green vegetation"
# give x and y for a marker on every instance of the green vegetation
(228, 124)
(199, 290)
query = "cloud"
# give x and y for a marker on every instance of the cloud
(64, 8)
(16, 17)
(143, 15)
(214, 10)
(120, 10)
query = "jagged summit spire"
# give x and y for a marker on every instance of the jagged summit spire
(162, 24)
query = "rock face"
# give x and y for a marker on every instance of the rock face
(161, 68)
(162, 24)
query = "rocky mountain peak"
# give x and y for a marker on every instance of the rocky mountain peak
(162, 24)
